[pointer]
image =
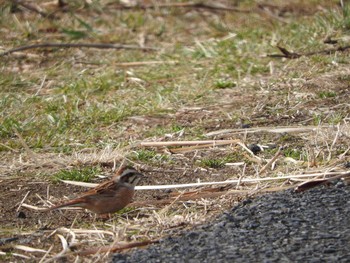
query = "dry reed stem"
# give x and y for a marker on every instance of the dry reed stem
(274, 158)
(236, 181)
(278, 129)
(185, 143)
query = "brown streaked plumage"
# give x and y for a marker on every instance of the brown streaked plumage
(110, 196)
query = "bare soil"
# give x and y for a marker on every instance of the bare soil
(266, 99)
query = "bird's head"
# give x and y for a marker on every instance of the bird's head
(130, 176)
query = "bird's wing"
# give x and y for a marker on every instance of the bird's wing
(106, 188)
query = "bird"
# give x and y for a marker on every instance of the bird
(110, 196)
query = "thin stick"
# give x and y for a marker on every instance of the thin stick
(46, 254)
(65, 247)
(29, 249)
(333, 143)
(312, 183)
(32, 207)
(280, 129)
(249, 151)
(191, 148)
(8, 147)
(41, 85)
(144, 63)
(25, 145)
(24, 198)
(187, 5)
(74, 231)
(293, 55)
(246, 180)
(77, 45)
(184, 143)
(240, 179)
(278, 153)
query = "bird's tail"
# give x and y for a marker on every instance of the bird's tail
(75, 203)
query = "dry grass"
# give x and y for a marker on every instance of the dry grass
(207, 111)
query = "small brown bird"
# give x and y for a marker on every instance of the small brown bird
(109, 196)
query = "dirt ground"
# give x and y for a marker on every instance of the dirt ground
(28, 227)
(254, 114)
(37, 229)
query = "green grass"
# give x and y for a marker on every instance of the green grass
(224, 84)
(220, 162)
(294, 153)
(85, 174)
(148, 156)
(79, 103)
(212, 163)
(327, 94)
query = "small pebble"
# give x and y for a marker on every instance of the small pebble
(255, 148)
(246, 125)
(21, 214)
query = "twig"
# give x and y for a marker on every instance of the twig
(65, 248)
(203, 190)
(185, 143)
(191, 148)
(41, 85)
(245, 180)
(144, 63)
(198, 145)
(165, 209)
(73, 231)
(288, 54)
(333, 143)
(274, 158)
(77, 45)
(281, 129)
(244, 147)
(292, 55)
(31, 154)
(46, 254)
(313, 183)
(24, 198)
(240, 179)
(32, 207)
(186, 5)
(29, 249)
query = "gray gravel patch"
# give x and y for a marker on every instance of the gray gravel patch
(313, 226)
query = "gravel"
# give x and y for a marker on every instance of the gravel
(312, 226)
